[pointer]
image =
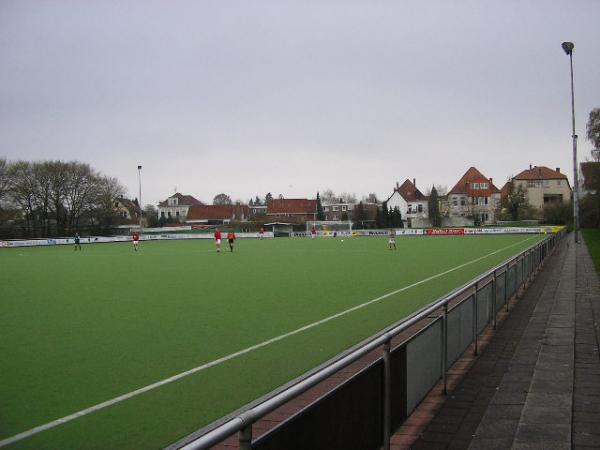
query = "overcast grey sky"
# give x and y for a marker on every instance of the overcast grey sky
(290, 97)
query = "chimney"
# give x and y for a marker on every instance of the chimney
(491, 181)
(397, 186)
(530, 166)
(415, 182)
(558, 169)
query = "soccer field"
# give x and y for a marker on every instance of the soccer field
(81, 328)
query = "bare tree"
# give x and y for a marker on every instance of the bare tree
(21, 188)
(328, 196)
(371, 198)
(80, 184)
(442, 191)
(56, 197)
(346, 197)
(58, 179)
(100, 209)
(4, 181)
(42, 190)
(222, 199)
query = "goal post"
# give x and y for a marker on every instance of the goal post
(330, 228)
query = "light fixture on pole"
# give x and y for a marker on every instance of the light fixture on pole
(568, 48)
(140, 197)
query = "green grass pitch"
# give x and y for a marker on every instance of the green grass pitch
(80, 328)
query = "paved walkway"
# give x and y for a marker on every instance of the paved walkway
(537, 383)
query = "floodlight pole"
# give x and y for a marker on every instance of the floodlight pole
(568, 48)
(140, 196)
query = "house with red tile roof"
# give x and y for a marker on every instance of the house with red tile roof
(296, 210)
(217, 214)
(411, 202)
(127, 210)
(177, 206)
(474, 198)
(544, 185)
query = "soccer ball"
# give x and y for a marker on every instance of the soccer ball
(342, 240)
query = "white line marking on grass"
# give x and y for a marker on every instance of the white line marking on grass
(99, 406)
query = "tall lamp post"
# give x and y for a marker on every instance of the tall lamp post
(568, 48)
(140, 197)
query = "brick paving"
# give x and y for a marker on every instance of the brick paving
(537, 383)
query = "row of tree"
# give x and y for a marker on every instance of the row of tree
(589, 205)
(55, 198)
(327, 196)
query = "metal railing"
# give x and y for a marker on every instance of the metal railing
(508, 277)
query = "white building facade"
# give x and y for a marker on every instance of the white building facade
(177, 206)
(411, 203)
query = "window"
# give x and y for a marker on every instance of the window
(162, 214)
(326, 208)
(177, 213)
(455, 202)
(420, 208)
(486, 201)
(558, 182)
(343, 208)
(169, 214)
(462, 202)
(334, 208)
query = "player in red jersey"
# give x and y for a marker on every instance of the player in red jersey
(218, 239)
(261, 233)
(135, 238)
(231, 239)
(313, 232)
